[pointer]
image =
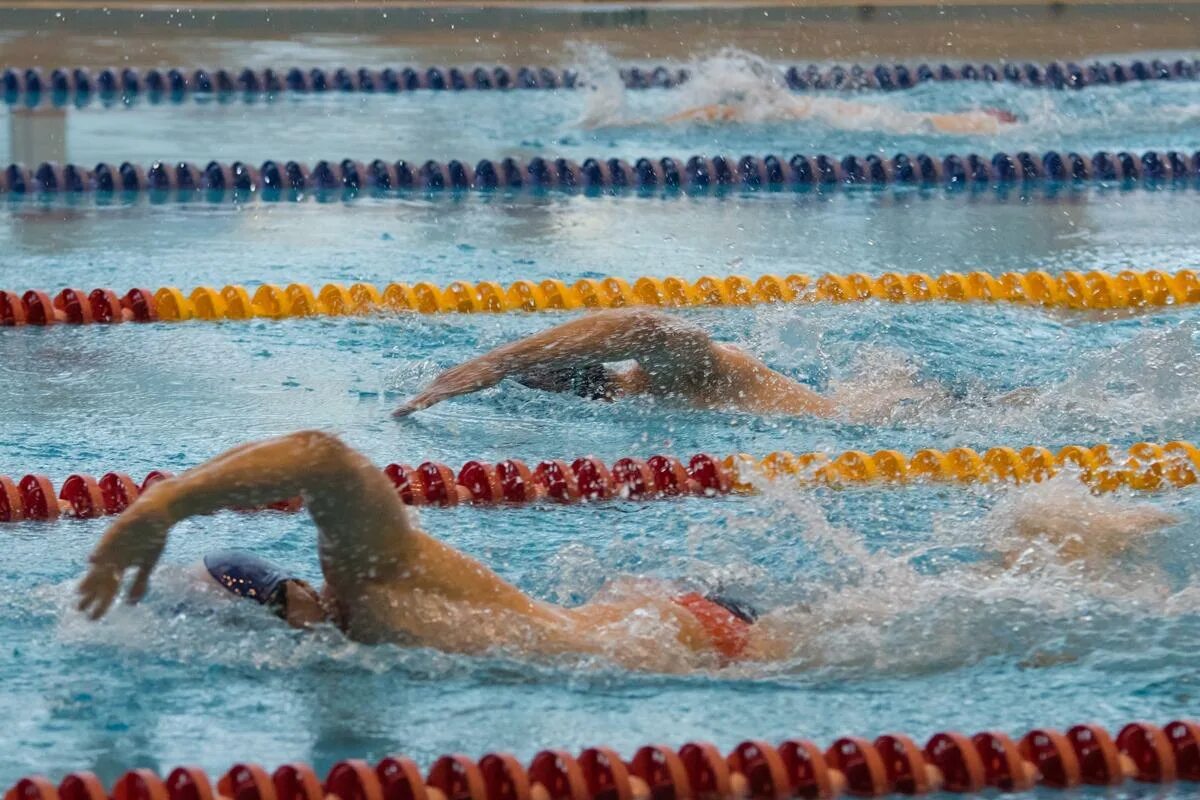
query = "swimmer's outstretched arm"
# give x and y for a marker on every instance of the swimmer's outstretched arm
(842, 114)
(362, 522)
(673, 349)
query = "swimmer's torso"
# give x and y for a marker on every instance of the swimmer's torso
(456, 604)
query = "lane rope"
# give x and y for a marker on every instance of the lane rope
(78, 85)
(1094, 290)
(1144, 466)
(754, 770)
(291, 180)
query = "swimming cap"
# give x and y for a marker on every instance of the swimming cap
(743, 611)
(592, 381)
(247, 575)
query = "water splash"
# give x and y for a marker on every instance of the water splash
(736, 86)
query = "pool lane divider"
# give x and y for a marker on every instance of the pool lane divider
(892, 764)
(1093, 290)
(64, 85)
(1143, 467)
(696, 175)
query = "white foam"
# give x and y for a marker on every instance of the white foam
(736, 86)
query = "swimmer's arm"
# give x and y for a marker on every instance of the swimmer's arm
(714, 112)
(604, 336)
(360, 517)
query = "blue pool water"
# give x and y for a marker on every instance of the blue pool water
(904, 615)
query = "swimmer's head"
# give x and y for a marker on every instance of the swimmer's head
(591, 381)
(289, 598)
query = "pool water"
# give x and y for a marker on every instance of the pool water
(905, 616)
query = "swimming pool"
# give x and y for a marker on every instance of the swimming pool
(907, 621)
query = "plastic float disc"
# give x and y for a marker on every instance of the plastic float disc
(38, 497)
(708, 771)
(141, 303)
(1185, 742)
(1150, 750)
(39, 309)
(12, 310)
(246, 782)
(662, 771)
(458, 778)
(438, 482)
(907, 771)
(605, 774)
(81, 786)
(710, 474)
(106, 306)
(139, 784)
(1099, 759)
(504, 777)
(35, 787)
(297, 782)
(1051, 752)
(12, 505)
(962, 768)
(352, 779)
(400, 779)
(517, 481)
(482, 481)
(670, 475)
(403, 478)
(633, 478)
(862, 765)
(1003, 764)
(559, 481)
(763, 768)
(84, 495)
(595, 481)
(559, 774)
(74, 304)
(189, 783)
(155, 476)
(808, 774)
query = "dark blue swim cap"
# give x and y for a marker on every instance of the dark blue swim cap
(247, 575)
(743, 611)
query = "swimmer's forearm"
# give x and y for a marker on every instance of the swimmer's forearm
(249, 475)
(611, 335)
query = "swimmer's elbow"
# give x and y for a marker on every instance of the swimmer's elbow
(318, 440)
(325, 449)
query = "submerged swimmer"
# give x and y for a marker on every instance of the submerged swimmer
(388, 581)
(675, 359)
(845, 114)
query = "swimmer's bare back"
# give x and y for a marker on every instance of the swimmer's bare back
(676, 360)
(385, 579)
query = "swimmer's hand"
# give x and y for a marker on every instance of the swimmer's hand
(466, 378)
(135, 540)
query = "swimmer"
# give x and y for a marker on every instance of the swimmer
(675, 360)
(847, 115)
(388, 581)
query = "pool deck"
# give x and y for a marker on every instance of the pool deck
(97, 33)
(671, 6)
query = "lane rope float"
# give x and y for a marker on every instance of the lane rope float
(989, 761)
(291, 180)
(1143, 467)
(78, 85)
(1093, 290)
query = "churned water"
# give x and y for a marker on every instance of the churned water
(912, 609)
